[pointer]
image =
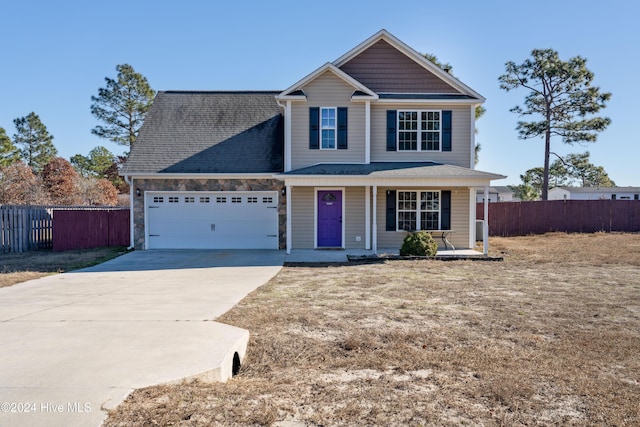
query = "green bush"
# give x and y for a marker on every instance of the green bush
(419, 243)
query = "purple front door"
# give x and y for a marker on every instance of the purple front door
(330, 218)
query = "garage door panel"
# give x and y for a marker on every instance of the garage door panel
(212, 220)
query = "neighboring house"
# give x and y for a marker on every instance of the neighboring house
(375, 143)
(594, 193)
(496, 194)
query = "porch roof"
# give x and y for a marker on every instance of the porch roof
(393, 169)
(379, 173)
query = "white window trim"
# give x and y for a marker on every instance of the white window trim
(418, 211)
(335, 128)
(419, 130)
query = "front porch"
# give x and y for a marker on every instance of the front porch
(366, 207)
(344, 255)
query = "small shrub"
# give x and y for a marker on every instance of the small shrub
(419, 243)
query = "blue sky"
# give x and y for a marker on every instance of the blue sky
(55, 56)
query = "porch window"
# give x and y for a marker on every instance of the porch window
(418, 210)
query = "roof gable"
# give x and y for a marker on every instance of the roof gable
(295, 90)
(387, 65)
(385, 69)
(209, 132)
(383, 65)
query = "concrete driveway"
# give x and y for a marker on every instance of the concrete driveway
(74, 344)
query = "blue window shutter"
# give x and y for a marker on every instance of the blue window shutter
(391, 210)
(342, 128)
(314, 128)
(391, 130)
(445, 210)
(446, 130)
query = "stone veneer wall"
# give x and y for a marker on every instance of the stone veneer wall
(206, 185)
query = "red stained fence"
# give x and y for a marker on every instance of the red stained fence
(83, 229)
(571, 216)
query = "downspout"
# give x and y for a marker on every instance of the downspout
(130, 184)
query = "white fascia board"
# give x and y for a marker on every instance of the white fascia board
(146, 175)
(358, 181)
(291, 97)
(428, 101)
(364, 98)
(335, 70)
(412, 54)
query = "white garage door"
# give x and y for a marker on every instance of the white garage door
(212, 220)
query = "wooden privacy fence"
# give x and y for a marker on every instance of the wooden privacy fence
(571, 216)
(25, 228)
(29, 228)
(83, 229)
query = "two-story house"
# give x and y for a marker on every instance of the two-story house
(353, 155)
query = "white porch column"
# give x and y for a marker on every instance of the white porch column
(367, 132)
(472, 217)
(374, 243)
(367, 217)
(485, 234)
(288, 189)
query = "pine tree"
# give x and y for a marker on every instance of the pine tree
(36, 142)
(9, 153)
(560, 97)
(122, 106)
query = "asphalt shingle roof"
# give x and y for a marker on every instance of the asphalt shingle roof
(210, 132)
(393, 170)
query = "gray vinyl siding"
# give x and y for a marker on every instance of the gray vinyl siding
(384, 69)
(460, 155)
(327, 91)
(302, 220)
(354, 217)
(459, 220)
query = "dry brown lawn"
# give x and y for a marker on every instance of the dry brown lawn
(20, 267)
(549, 336)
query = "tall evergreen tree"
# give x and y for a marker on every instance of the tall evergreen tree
(560, 97)
(36, 142)
(122, 106)
(9, 153)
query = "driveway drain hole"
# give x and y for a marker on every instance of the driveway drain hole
(235, 369)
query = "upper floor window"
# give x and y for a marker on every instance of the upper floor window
(328, 128)
(419, 131)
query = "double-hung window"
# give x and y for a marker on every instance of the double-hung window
(419, 131)
(418, 210)
(328, 128)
